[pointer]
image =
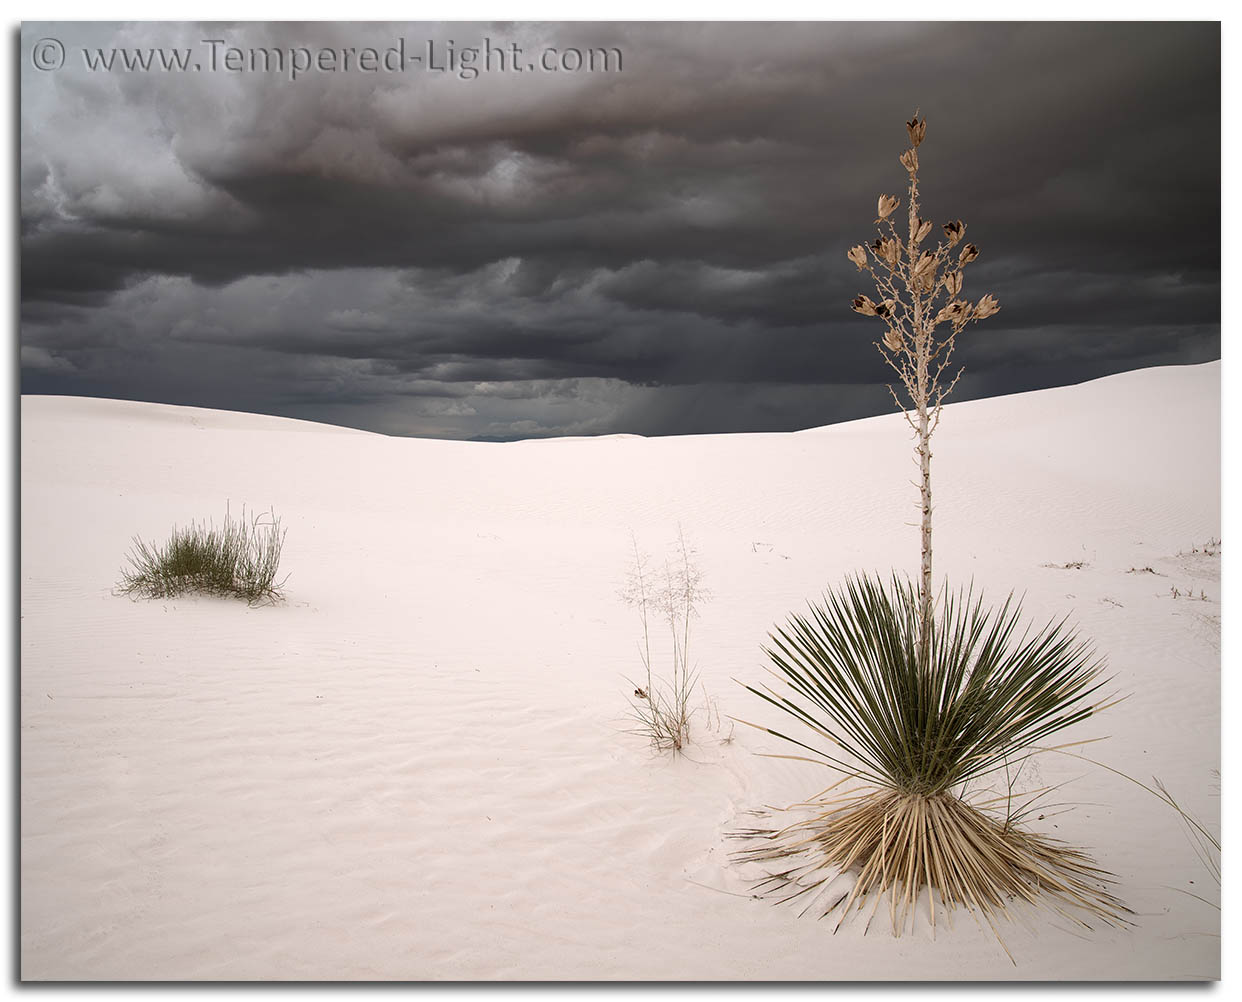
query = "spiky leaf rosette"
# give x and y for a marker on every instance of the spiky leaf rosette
(916, 731)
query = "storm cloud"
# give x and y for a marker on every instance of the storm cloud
(655, 247)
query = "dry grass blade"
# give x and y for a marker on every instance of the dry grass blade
(1204, 841)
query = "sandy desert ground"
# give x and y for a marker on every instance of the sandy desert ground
(418, 766)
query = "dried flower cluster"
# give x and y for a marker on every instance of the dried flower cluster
(921, 304)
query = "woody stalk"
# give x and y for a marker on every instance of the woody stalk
(921, 304)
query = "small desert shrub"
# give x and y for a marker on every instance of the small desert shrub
(661, 707)
(914, 725)
(240, 558)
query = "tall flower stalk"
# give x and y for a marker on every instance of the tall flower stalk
(921, 304)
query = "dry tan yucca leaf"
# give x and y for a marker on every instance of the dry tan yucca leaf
(901, 846)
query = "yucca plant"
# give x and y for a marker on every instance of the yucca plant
(914, 731)
(921, 698)
(240, 558)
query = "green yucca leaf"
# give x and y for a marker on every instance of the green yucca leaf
(989, 687)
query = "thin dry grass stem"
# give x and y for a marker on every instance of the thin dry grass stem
(1204, 842)
(662, 707)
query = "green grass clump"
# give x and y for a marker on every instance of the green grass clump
(240, 559)
(913, 731)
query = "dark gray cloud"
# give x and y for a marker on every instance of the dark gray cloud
(654, 250)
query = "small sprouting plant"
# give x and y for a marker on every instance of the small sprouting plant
(670, 593)
(240, 558)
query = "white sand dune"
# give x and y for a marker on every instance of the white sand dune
(418, 767)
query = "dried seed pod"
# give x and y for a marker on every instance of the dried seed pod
(987, 306)
(954, 231)
(859, 256)
(888, 251)
(887, 204)
(885, 309)
(917, 127)
(953, 283)
(923, 229)
(925, 265)
(969, 253)
(910, 160)
(956, 311)
(893, 340)
(864, 306)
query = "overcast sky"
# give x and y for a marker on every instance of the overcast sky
(657, 250)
